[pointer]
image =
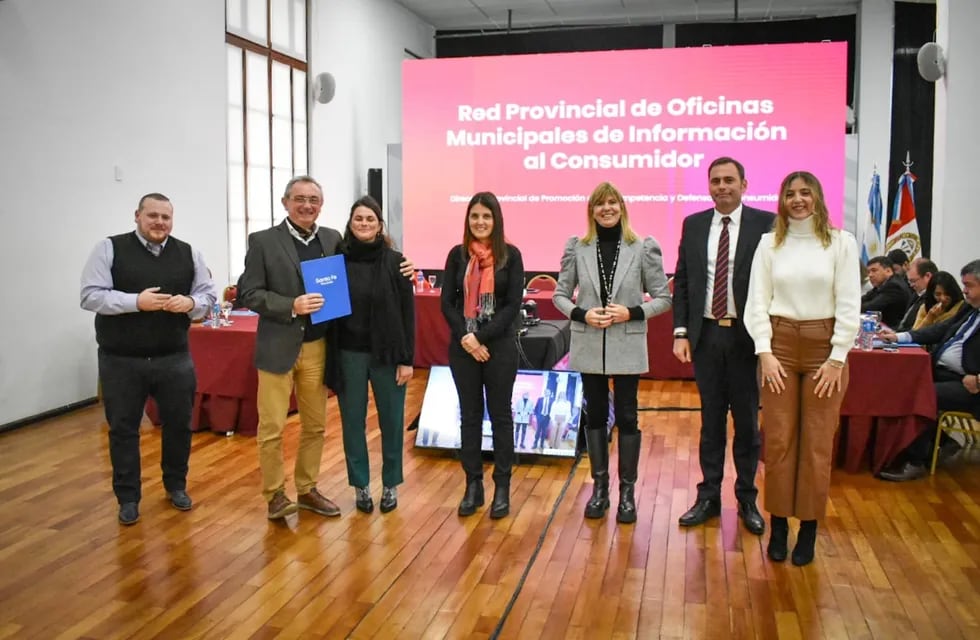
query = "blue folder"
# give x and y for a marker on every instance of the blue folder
(328, 277)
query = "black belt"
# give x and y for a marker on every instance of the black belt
(721, 322)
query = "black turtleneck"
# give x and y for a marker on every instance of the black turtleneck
(607, 245)
(607, 239)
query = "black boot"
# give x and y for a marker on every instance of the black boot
(599, 459)
(629, 459)
(805, 541)
(778, 530)
(473, 497)
(500, 507)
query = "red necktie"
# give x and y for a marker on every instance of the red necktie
(719, 298)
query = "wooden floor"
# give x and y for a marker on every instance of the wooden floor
(893, 560)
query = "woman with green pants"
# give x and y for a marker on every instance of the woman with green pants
(376, 345)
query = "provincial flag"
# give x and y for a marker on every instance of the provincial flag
(903, 233)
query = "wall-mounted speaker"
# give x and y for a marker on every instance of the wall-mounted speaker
(375, 187)
(324, 87)
(932, 63)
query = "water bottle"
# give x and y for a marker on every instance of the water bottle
(867, 335)
(216, 315)
(419, 281)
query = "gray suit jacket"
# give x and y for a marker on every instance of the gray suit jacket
(271, 281)
(640, 269)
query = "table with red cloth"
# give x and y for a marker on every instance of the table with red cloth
(227, 381)
(890, 400)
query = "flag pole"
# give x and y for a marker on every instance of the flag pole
(908, 162)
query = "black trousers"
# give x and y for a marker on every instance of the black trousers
(495, 378)
(951, 395)
(595, 388)
(725, 371)
(542, 424)
(126, 384)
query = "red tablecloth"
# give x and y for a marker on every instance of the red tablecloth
(890, 400)
(227, 381)
(660, 351)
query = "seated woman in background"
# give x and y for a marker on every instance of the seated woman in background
(943, 300)
(482, 290)
(378, 339)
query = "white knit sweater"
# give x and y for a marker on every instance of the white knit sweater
(803, 280)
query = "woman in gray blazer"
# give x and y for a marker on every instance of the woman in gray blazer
(612, 269)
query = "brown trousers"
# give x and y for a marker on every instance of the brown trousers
(799, 427)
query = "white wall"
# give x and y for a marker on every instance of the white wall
(85, 87)
(362, 43)
(873, 89)
(955, 219)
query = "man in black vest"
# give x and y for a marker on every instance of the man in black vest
(145, 287)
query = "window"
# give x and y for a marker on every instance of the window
(267, 113)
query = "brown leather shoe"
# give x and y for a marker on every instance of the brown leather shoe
(280, 506)
(315, 501)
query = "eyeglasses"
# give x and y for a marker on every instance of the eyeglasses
(306, 200)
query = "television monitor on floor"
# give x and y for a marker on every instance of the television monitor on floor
(560, 396)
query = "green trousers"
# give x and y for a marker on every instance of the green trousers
(389, 398)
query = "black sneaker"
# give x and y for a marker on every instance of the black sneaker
(129, 513)
(363, 500)
(389, 499)
(180, 500)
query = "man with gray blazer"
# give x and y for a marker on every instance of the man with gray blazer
(710, 287)
(290, 351)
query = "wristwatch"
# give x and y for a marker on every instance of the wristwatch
(680, 334)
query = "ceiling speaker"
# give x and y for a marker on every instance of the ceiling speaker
(932, 63)
(324, 87)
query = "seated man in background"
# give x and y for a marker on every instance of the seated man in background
(890, 295)
(919, 275)
(900, 262)
(900, 267)
(955, 373)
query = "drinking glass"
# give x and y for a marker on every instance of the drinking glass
(226, 313)
(432, 283)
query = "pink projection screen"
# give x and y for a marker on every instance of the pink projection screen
(541, 131)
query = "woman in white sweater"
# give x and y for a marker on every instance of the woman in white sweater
(803, 312)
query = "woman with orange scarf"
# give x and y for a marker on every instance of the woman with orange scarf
(482, 290)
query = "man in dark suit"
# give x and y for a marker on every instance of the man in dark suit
(290, 351)
(919, 275)
(542, 418)
(955, 373)
(708, 328)
(890, 296)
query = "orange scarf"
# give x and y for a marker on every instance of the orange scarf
(478, 298)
